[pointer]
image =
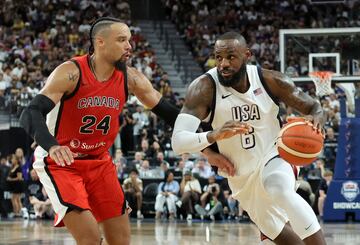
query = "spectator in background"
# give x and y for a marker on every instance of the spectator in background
(133, 187)
(167, 193)
(136, 163)
(15, 182)
(24, 163)
(210, 203)
(202, 168)
(126, 132)
(141, 119)
(120, 163)
(160, 160)
(145, 171)
(318, 169)
(164, 166)
(304, 189)
(185, 157)
(210, 63)
(155, 149)
(323, 188)
(190, 191)
(180, 167)
(19, 153)
(232, 208)
(334, 102)
(332, 120)
(4, 172)
(146, 151)
(19, 70)
(37, 196)
(3, 86)
(330, 148)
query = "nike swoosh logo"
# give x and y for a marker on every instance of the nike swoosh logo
(225, 96)
(308, 227)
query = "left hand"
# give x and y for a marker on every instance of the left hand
(316, 121)
(220, 161)
(135, 75)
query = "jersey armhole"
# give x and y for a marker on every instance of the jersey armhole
(266, 87)
(68, 96)
(213, 102)
(122, 67)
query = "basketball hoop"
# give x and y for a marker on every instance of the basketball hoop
(322, 80)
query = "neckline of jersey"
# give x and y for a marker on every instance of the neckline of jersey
(93, 75)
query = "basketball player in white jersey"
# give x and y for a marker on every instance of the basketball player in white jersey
(240, 102)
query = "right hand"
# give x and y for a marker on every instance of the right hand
(228, 130)
(62, 155)
(220, 161)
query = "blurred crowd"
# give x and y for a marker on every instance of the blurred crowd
(199, 22)
(35, 38)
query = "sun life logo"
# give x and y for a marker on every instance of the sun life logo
(75, 143)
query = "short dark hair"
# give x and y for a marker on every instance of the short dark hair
(99, 25)
(232, 35)
(134, 170)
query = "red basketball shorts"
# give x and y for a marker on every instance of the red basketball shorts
(87, 184)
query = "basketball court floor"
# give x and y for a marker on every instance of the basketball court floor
(148, 232)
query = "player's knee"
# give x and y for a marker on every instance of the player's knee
(279, 186)
(118, 239)
(89, 239)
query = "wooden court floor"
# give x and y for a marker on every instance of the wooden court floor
(148, 232)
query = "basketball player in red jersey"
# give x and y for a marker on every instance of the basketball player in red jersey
(82, 100)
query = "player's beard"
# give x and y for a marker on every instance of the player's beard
(120, 65)
(229, 82)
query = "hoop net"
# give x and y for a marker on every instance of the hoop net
(322, 80)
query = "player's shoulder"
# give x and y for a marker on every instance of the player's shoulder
(68, 67)
(202, 83)
(274, 76)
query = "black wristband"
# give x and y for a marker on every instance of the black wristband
(166, 111)
(32, 119)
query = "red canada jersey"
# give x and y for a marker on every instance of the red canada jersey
(88, 119)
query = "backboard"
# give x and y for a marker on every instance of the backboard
(322, 49)
(332, 49)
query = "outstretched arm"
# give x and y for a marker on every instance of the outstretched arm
(143, 89)
(285, 90)
(150, 97)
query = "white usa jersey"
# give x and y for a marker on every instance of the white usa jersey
(255, 107)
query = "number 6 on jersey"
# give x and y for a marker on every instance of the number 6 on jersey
(248, 139)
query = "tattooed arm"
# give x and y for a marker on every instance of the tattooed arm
(284, 89)
(62, 80)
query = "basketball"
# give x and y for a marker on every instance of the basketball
(298, 142)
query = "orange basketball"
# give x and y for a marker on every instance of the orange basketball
(298, 143)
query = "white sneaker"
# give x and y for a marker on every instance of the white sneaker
(179, 203)
(25, 213)
(212, 217)
(139, 215)
(189, 217)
